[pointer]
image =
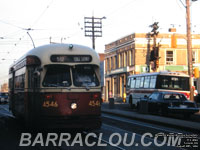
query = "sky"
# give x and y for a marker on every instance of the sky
(63, 21)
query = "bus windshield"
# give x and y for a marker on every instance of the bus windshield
(173, 83)
(57, 76)
(84, 75)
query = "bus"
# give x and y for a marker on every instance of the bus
(57, 85)
(140, 85)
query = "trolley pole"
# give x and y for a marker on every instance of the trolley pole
(189, 48)
(93, 28)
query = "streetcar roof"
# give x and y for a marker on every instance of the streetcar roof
(167, 73)
(46, 51)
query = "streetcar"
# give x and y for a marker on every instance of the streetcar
(141, 85)
(57, 85)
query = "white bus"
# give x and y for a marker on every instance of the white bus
(57, 85)
(140, 85)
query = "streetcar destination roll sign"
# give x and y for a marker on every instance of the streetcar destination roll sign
(71, 58)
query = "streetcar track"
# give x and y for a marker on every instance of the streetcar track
(144, 124)
(139, 135)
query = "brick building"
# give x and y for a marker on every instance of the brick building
(130, 55)
(4, 87)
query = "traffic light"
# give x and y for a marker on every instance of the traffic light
(157, 63)
(196, 72)
(155, 28)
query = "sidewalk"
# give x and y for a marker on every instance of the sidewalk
(123, 110)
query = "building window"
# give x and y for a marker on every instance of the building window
(116, 62)
(108, 64)
(112, 67)
(131, 57)
(169, 57)
(121, 60)
(125, 59)
(193, 56)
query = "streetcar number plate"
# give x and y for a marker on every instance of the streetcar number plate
(93, 103)
(50, 104)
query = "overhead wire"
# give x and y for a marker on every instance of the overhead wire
(37, 20)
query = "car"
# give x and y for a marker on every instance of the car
(3, 97)
(169, 102)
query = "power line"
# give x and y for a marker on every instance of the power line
(182, 3)
(36, 21)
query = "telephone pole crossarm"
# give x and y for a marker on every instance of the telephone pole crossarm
(93, 28)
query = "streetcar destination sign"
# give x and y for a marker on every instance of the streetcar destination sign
(71, 58)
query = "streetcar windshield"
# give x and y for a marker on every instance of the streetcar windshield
(57, 76)
(84, 75)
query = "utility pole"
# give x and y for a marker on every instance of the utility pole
(148, 36)
(154, 56)
(189, 48)
(93, 28)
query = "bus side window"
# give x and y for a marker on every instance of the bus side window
(146, 82)
(137, 84)
(153, 82)
(129, 83)
(141, 82)
(132, 82)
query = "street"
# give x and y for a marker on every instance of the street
(116, 133)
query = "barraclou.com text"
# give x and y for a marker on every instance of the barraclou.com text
(114, 139)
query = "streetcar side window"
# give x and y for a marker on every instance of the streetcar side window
(57, 76)
(84, 75)
(19, 81)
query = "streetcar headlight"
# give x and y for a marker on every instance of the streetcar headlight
(73, 106)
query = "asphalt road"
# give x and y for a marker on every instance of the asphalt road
(116, 133)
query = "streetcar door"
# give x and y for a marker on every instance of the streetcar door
(12, 88)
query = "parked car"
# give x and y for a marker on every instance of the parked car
(170, 102)
(3, 97)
